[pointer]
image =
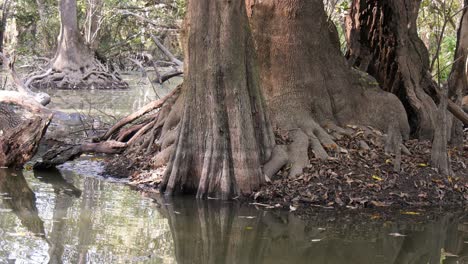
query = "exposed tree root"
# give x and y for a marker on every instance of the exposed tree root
(136, 115)
(93, 76)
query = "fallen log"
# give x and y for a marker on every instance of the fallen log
(18, 145)
(19, 139)
(62, 153)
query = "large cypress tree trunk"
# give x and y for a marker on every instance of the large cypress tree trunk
(383, 41)
(74, 64)
(307, 83)
(458, 80)
(224, 136)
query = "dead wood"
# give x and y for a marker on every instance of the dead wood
(134, 116)
(17, 146)
(62, 153)
(167, 52)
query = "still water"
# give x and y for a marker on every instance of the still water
(69, 217)
(74, 216)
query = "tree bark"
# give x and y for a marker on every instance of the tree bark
(458, 80)
(383, 41)
(19, 144)
(3, 25)
(308, 86)
(224, 136)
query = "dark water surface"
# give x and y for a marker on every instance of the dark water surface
(70, 217)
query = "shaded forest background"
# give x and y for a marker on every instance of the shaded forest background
(118, 30)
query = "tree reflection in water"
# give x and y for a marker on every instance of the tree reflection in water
(65, 193)
(223, 232)
(21, 200)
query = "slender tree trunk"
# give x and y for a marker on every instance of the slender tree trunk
(224, 136)
(3, 25)
(92, 23)
(308, 86)
(458, 80)
(47, 42)
(383, 41)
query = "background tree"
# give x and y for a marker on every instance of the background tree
(3, 22)
(74, 64)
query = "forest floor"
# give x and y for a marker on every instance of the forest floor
(366, 178)
(358, 178)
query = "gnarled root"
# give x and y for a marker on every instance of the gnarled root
(307, 136)
(93, 76)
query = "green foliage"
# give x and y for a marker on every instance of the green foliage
(119, 31)
(437, 25)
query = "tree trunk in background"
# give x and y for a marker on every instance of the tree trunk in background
(43, 34)
(224, 136)
(74, 65)
(92, 23)
(3, 25)
(307, 83)
(72, 54)
(383, 41)
(458, 80)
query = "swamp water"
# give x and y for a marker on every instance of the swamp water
(73, 216)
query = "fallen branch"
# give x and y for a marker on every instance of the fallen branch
(37, 77)
(132, 117)
(457, 112)
(167, 52)
(169, 75)
(24, 101)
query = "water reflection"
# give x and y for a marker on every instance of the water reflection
(20, 199)
(90, 220)
(65, 194)
(219, 232)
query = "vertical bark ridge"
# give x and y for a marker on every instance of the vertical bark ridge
(224, 136)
